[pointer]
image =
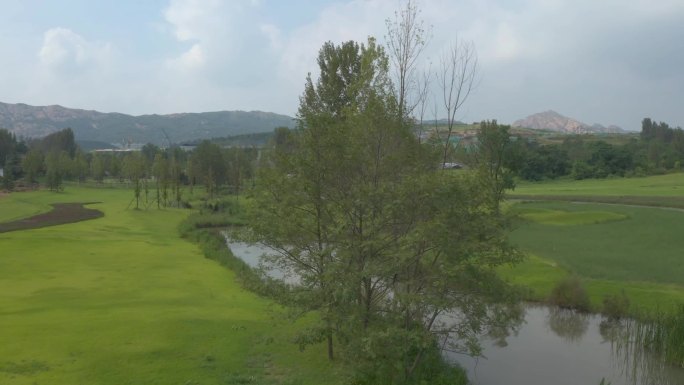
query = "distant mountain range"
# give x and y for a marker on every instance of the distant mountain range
(94, 126)
(552, 120)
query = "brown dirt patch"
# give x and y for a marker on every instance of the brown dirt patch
(61, 213)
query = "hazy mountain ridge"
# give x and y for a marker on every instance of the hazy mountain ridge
(88, 125)
(552, 120)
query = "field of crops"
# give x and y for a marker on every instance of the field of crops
(612, 247)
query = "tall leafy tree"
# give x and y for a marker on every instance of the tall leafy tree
(33, 165)
(55, 170)
(162, 179)
(8, 143)
(97, 168)
(494, 145)
(57, 142)
(208, 166)
(383, 242)
(134, 169)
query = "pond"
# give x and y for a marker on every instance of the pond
(562, 347)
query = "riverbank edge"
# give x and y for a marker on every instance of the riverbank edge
(207, 231)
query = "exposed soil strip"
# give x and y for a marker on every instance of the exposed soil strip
(61, 213)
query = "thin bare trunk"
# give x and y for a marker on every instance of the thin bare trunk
(457, 78)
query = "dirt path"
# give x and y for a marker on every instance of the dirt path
(61, 213)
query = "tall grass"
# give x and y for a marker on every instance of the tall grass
(663, 334)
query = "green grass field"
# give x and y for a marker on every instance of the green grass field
(123, 300)
(612, 247)
(669, 185)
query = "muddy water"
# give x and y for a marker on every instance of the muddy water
(565, 348)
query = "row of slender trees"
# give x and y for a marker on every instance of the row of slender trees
(157, 175)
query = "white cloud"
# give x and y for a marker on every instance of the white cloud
(590, 59)
(273, 35)
(66, 51)
(194, 19)
(339, 22)
(190, 60)
(218, 30)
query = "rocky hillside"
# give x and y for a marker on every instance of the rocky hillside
(551, 120)
(32, 121)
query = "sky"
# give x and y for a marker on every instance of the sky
(598, 61)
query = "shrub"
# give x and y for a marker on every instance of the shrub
(616, 306)
(570, 294)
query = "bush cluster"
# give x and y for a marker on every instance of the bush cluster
(569, 293)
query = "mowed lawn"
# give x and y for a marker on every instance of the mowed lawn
(669, 185)
(123, 300)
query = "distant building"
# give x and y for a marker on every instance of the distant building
(453, 165)
(115, 150)
(187, 147)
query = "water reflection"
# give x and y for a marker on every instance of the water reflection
(634, 360)
(254, 255)
(562, 347)
(568, 324)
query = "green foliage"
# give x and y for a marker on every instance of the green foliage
(616, 306)
(208, 167)
(494, 145)
(663, 334)
(57, 142)
(134, 169)
(97, 168)
(55, 171)
(532, 161)
(581, 170)
(569, 293)
(383, 242)
(8, 146)
(659, 149)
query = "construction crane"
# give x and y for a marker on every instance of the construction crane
(168, 139)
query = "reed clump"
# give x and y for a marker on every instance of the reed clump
(663, 334)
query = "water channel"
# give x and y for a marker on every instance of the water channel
(552, 346)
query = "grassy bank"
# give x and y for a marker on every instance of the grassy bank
(123, 300)
(611, 247)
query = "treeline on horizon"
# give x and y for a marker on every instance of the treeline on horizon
(658, 149)
(53, 159)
